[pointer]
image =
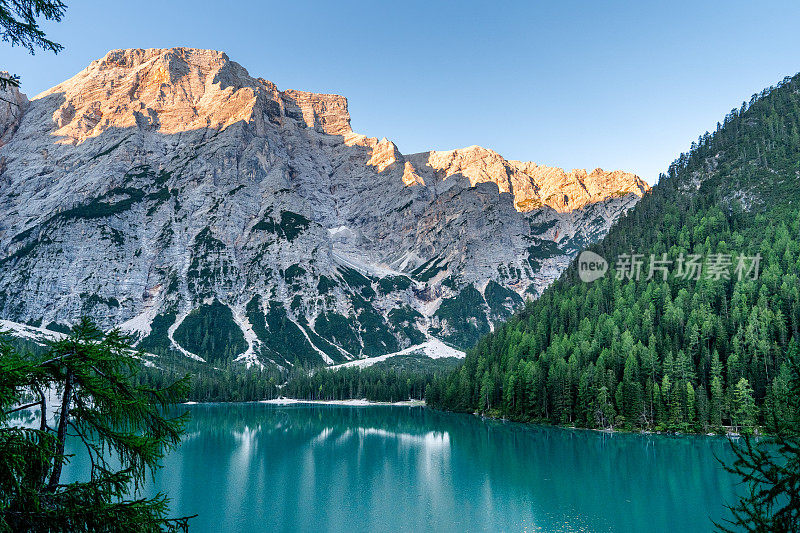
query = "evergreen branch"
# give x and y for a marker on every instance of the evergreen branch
(21, 407)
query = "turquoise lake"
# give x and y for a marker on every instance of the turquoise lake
(257, 467)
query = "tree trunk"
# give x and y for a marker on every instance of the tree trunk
(61, 437)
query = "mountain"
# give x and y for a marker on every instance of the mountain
(206, 211)
(695, 350)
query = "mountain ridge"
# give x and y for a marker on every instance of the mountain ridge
(164, 185)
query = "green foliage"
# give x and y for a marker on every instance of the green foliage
(211, 333)
(666, 354)
(501, 300)
(293, 224)
(157, 341)
(114, 202)
(121, 426)
(403, 320)
(332, 351)
(105, 205)
(462, 317)
(20, 27)
(159, 197)
(26, 250)
(389, 284)
(112, 234)
(210, 264)
(338, 330)
(396, 379)
(110, 149)
(9, 81)
(325, 284)
(293, 274)
(357, 281)
(770, 467)
(417, 363)
(428, 270)
(90, 301)
(541, 249)
(23, 346)
(289, 227)
(281, 338)
(540, 228)
(225, 382)
(744, 409)
(375, 336)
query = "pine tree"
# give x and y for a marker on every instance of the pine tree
(744, 404)
(717, 391)
(116, 421)
(691, 403)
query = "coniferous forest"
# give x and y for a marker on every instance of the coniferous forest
(385, 381)
(695, 350)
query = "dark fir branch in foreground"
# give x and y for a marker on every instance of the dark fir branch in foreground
(19, 26)
(81, 388)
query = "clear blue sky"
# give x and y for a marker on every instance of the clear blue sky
(623, 85)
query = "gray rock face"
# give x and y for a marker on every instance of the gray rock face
(206, 211)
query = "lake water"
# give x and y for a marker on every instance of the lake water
(257, 467)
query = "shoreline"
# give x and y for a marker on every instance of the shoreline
(344, 403)
(614, 431)
(421, 403)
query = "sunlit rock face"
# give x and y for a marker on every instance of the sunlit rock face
(532, 185)
(170, 192)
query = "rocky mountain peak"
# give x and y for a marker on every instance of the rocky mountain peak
(167, 191)
(176, 90)
(384, 154)
(326, 112)
(532, 185)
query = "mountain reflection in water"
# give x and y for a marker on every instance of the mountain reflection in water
(256, 467)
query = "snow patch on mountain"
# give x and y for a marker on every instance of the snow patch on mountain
(433, 348)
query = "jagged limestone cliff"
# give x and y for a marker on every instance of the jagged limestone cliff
(206, 211)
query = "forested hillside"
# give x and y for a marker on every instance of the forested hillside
(695, 350)
(396, 379)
